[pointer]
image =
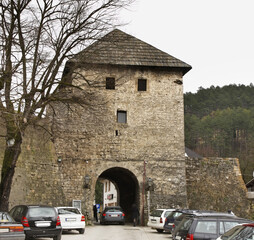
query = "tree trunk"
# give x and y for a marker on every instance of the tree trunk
(11, 155)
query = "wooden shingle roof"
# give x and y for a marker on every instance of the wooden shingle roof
(119, 48)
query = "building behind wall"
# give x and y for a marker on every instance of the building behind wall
(109, 194)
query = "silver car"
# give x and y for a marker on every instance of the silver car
(112, 214)
(9, 229)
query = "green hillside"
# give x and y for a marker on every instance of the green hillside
(219, 122)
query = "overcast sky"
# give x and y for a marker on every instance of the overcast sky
(216, 37)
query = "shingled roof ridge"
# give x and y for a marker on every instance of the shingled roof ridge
(120, 48)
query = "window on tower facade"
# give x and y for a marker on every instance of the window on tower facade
(142, 84)
(110, 83)
(121, 116)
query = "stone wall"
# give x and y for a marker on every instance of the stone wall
(216, 184)
(90, 140)
(212, 183)
(36, 179)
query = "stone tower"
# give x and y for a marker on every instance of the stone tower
(129, 128)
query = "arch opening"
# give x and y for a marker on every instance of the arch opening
(127, 188)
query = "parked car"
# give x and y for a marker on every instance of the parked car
(171, 218)
(202, 226)
(38, 221)
(181, 214)
(157, 217)
(9, 229)
(112, 214)
(71, 219)
(239, 232)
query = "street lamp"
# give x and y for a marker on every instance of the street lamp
(87, 181)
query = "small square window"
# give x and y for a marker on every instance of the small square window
(110, 83)
(121, 116)
(142, 84)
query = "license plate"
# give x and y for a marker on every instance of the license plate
(178, 237)
(42, 224)
(3, 230)
(70, 219)
(114, 215)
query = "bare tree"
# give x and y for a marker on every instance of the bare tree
(37, 37)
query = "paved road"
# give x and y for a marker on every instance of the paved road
(116, 232)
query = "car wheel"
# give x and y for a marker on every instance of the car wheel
(81, 231)
(58, 237)
(160, 230)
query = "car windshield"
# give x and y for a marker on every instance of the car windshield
(5, 217)
(156, 213)
(68, 211)
(41, 212)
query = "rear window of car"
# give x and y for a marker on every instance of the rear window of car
(4, 217)
(206, 227)
(68, 211)
(114, 210)
(156, 213)
(167, 213)
(41, 212)
(185, 224)
(177, 214)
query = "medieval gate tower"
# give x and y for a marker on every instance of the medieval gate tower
(128, 129)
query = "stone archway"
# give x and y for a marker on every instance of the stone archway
(127, 185)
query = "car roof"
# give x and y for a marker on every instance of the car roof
(217, 215)
(66, 207)
(35, 206)
(165, 209)
(249, 224)
(113, 207)
(213, 214)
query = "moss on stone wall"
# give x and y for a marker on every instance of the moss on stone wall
(36, 179)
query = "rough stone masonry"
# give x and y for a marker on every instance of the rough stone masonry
(129, 129)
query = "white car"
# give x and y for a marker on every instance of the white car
(71, 219)
(157, 219)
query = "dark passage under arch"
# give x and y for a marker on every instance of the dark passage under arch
(127, 185)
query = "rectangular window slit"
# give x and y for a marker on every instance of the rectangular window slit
(142, 84)
(121, 116)
(110, 83)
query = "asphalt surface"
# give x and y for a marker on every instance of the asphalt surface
(116, 232)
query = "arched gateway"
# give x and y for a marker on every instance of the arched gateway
(129, 128)
(127, 187)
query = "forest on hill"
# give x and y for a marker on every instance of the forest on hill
(219, 122)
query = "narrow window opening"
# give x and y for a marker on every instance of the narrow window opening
(110, 83)
(142, 84)
(121, 116)
(117, 133)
